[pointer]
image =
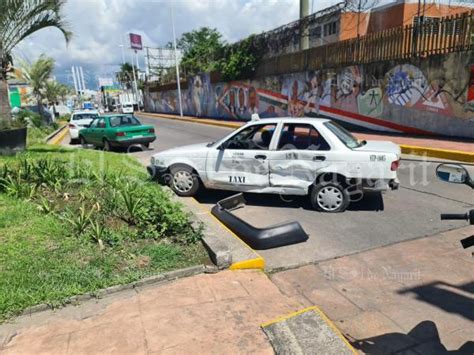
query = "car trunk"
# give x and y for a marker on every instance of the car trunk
(82, 123)
(131, 131)
(380, 147)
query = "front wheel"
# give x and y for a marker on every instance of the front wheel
(183, 180)
(330, 197)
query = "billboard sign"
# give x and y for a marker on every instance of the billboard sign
(135, 41)
(106, 82)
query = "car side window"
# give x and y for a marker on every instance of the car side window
(101, 123)
(256, 137)
(94, 123)
(301, 137)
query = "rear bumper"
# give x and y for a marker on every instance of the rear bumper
(131, 141)
(380, 185)
(74, 133)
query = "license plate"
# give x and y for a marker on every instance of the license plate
(139, 136)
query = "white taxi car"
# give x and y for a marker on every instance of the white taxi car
(80, 120)
(287, 156)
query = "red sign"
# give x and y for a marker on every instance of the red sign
(136, 41)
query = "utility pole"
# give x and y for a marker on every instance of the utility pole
(304, 33)
(176, 61)
(123, 53)
(135, 83)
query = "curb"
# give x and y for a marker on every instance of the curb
(57, 136)
(406, 149)
(152, 280)
(438, 153)
(193, 120)
(217, 250)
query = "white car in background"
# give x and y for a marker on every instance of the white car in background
(127, 108)
(80, 120)
(286, 156)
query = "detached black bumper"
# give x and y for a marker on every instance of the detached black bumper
(132, 141)
(257, 238)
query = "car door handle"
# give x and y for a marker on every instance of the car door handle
(319, 158)
(261, 156)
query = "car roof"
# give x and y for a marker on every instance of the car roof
(309, 120)
(81, 112)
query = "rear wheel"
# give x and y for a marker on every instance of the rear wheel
(330, 197)
(183, 180)
(83, 142)
(106, 145)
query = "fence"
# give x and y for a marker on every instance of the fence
(442, 36)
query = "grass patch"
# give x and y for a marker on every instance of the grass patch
(73, 221)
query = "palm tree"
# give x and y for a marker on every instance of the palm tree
(125, 75)
(18, 20)
(37, 76)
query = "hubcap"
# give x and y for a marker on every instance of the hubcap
(329, 198)
(183, 181)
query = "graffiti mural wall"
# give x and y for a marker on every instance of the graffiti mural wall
(433, 97)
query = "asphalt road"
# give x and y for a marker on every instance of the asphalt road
(378, 220)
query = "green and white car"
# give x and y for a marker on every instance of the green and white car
(111, 131)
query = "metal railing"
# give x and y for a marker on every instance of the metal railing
(447, 35)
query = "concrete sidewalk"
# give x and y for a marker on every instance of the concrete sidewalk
(443, 148)
(415, 297)
(208, 313)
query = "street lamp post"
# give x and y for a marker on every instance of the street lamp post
(176, 61)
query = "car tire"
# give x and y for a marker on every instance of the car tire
(83, 142)
(73, 141)
(146, 145)
(183, 180)
(330, 197)
(106, 146)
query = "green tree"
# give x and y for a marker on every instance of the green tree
(241, 59)
(125, 75)
(64, 91)
(18, 20)
(201, 49)
(37, 75)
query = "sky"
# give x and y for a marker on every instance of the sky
(100, 26)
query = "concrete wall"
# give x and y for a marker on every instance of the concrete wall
(429, 96)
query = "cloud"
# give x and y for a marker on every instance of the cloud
(100, 26)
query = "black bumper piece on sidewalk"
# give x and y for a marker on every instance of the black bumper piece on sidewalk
(257, 238)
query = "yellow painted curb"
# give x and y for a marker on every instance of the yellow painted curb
(255, 263)
(57, 139)
(193, 120)
(438, 153)
(321, 314)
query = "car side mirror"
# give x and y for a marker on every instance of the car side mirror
(453, 173)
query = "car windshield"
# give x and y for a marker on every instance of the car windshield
(120, 121)
(84, 116)
(344, 135)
